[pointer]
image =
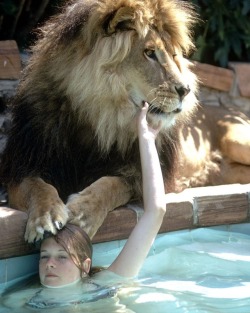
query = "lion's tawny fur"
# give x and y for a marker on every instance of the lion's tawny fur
(74, 115)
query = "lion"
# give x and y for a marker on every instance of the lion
(72, 154)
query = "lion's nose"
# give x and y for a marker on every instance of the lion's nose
(182, 91)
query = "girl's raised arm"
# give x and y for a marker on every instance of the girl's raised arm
(132, 256)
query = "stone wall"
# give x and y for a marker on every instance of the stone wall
(225, 87)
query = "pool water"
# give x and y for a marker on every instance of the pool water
(193, 271)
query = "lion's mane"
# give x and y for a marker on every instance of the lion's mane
(73, 120)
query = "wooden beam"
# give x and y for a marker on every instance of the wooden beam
(214, 77)
(10, 61)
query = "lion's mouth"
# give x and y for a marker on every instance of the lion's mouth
(158, 111)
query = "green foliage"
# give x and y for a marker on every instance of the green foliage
(18, 18)
(224, 33)
(8, 7)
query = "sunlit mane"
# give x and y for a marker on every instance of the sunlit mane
(89, 51)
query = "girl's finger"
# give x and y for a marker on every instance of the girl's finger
(144, 108)
(143, 112)
(145, 104)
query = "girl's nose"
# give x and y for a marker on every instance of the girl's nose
(50, 263)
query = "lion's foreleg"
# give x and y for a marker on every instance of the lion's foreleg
(235, 143)
(234, 173)
(89, 208)
(46, 211)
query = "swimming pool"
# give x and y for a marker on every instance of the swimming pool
(194, 271)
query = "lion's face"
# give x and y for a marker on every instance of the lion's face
(159, 74)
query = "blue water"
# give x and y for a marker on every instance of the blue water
(204, 270)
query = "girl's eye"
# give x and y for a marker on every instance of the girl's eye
(150, 53)
(62, 257)
(44, 257)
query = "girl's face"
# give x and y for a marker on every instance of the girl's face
(56, 267)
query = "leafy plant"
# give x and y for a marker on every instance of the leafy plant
(19, 17)
(224, 33)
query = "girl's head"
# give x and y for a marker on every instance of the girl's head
(65, 257)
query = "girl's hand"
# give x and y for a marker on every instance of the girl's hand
(143, 127)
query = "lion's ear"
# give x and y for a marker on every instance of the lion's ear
(120, 20)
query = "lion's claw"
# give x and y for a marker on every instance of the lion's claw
(59, 225)
(51, 221)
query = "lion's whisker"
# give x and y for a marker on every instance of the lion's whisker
(152, 91)
(151, 102)
(152, 107)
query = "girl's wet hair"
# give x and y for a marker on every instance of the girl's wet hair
(72, 237)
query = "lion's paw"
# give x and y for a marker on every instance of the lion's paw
(50, 221)
(86, 212)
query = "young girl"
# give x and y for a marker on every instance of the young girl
(65, 258)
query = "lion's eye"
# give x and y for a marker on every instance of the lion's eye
(150, 54)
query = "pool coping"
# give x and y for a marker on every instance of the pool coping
(192, 208)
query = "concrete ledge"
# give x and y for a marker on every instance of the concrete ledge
(12, 228)
(196, 207)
